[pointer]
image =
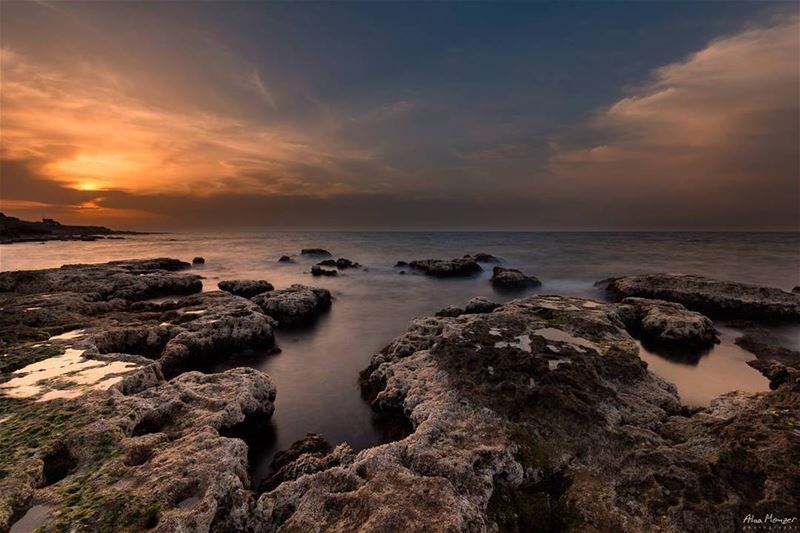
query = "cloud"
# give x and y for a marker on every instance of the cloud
(708, 141)
(86, 132)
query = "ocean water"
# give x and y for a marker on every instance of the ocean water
(316, 372)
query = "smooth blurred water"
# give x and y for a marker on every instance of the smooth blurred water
(317, 371)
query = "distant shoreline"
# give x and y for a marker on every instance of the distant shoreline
(14, 230)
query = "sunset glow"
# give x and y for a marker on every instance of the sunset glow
(159, 125)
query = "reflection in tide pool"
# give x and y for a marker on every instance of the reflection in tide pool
(702, 377)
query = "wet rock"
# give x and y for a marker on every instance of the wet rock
(480, 304)
(512, 279)
(482, 257)
(451, 311)
(796, 289)
(667, 324)
(401, 264)
(317, 252)
(307, 456)
(777, 362)
(127, 280)
(198, 260)
(317, 270)
(541, 416)
(447, 268)
(343, 263)
(295, 305)
(245, 288)
(340, 263)
(285, 259)
(717, 298)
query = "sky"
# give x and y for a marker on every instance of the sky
(536, 116)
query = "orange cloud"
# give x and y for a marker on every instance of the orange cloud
(716, 133)
(89, 134)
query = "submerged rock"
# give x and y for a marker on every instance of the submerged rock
(317, 270)
(446, 268)
(717, 298)
(295, 305)
(285, 259)
(667, 324)
(541, 416)
(198, 261)
(245, 287)
(319, 252)
(512, 279)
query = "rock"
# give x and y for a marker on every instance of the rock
(307, 456)
(126, 447)
(778, 363)
(317, 270)
(128, 280)
(667, 324)
(402, 272)
(465, 266)
(512, 279)
(716, 298)
(285, 259)
(245, 288)
(343, 263)
(451, 311)
(401, 264)
(200, 327)
(198, 261)
(340, 263)
(484, 258)
(541, 416)
(480, 304)
(295, 305)
(319, 252)
(796, 289)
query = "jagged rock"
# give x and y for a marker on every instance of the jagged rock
(541, 416)
(245, 288)
(480, 304)
(451, 311)
(318, 252)
(128, 280)
(343, 263)
(717, 298)
(295, 305)
(198, 260)
(510, 278)
(307, 456)
(464, 266)
(285, 259)
(317, 270)
(482, 257)
(667, 324)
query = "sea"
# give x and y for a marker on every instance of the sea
(316, 370)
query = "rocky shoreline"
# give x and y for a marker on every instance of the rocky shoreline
(13, 230)
(533, 415)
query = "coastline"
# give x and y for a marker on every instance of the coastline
(536, 394)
